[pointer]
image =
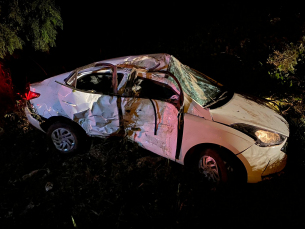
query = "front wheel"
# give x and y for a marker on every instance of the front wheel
(212, 166)
(66, 138)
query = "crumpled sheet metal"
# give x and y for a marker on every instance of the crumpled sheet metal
(96, 113)
(99, 115)
(139, 123)
(102, 119)
(73, 101)
(156, 62)
(48, 104)
(198, 88)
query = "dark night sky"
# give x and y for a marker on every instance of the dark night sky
(93, 31)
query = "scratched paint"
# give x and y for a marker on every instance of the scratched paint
(99, 114)
(139, 122)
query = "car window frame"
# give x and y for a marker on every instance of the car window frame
(132, 94)
(127, 89)
(71, 80)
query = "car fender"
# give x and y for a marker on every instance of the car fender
(47, 104)
(198, 130)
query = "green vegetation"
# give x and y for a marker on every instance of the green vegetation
(23, 23)
(28, 22)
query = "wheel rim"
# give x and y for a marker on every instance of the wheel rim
(208, 167)
(63, 139)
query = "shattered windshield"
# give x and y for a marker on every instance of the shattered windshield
(194, 83)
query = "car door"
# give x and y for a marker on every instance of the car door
(91, 102)
(150, 112)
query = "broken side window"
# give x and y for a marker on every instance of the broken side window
(97, 82)
(146, 88)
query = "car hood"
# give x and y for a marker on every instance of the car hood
(242, 110)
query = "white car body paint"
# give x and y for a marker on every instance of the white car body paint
(98, 115)
(47, 104)
(139, 121)
(262, 161)
(258, 161)
(242, 110)
(198, 130)
(191, 107)
(156, 61)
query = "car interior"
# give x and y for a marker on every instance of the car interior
(97, 82)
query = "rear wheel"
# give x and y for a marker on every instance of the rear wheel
(67, 138)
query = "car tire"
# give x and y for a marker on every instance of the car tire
(214, 169)
(67, 138)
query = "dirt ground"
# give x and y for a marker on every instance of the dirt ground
(119, 185)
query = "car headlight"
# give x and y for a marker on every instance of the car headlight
(262, 137)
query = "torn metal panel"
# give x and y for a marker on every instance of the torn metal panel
(151, 62)
(199, 87)
(150, 97)
(139, 122)
(106, 116)
(99, 121)
(96, 113)
(73, 101)
(154, 62)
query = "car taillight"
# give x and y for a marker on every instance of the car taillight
(31, 95)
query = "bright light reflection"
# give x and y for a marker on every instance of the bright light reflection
(267, 137)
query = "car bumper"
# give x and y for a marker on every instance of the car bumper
(264, 161)
(32, 120)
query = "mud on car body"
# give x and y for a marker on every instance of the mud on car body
(165, 107)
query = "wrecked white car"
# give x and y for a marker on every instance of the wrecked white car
(166, 107)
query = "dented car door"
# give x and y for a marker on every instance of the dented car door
(91, 101)
(150, 110)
